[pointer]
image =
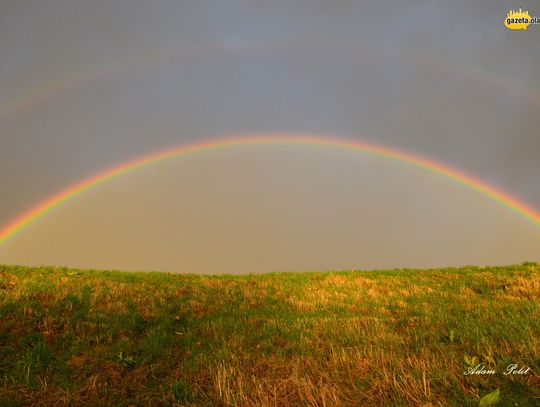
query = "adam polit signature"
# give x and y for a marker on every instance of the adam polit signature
(512, 369)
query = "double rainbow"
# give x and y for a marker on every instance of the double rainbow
(61, 198)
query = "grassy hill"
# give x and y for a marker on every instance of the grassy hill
(378, 338)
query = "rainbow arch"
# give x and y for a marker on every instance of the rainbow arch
(48, 90)
(67, 194)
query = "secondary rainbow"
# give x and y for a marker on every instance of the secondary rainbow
(46, 91)
(438, 168)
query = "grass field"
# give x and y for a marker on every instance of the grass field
(352, 338)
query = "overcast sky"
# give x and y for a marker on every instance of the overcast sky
(85, 85)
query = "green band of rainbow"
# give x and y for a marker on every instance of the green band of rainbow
(73, 191)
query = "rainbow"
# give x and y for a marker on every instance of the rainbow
(48, 90)
(69, 193)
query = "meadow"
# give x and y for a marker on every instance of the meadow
(346, 338)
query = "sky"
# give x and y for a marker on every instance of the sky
(85, 86)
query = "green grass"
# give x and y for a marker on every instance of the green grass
(377, 338)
